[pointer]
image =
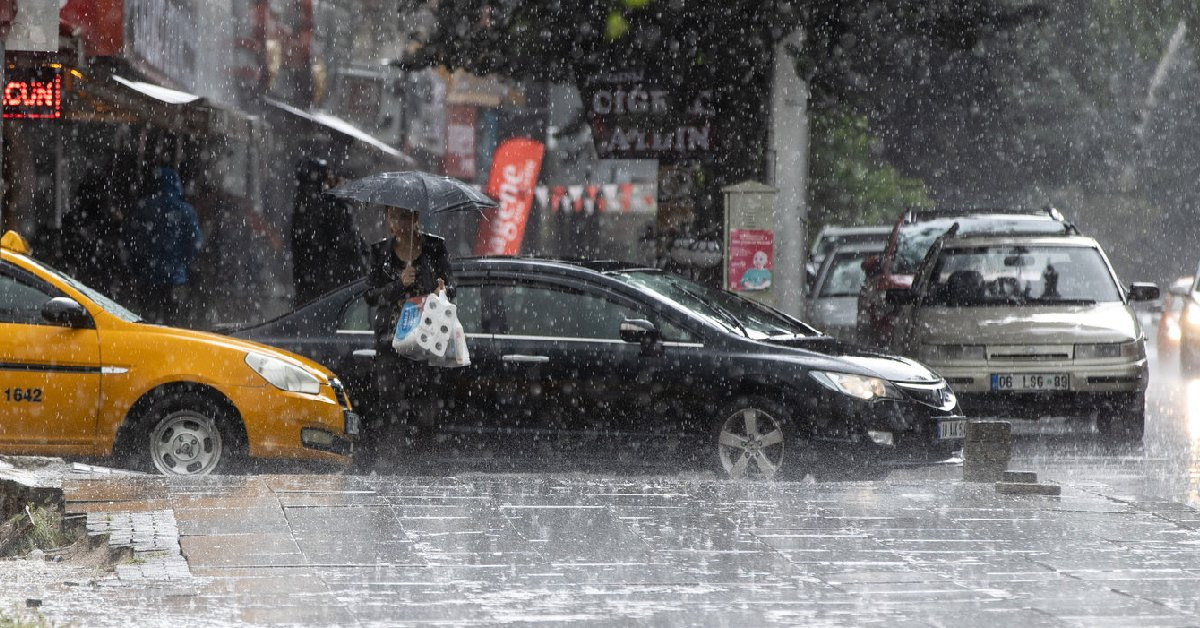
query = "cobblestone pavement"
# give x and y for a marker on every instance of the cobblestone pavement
(1120, 546)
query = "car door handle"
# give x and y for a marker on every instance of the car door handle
(364, 353)
(516, 357)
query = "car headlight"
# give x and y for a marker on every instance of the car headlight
(1110, 350)
(857, 386)
(951, 353)
(282, 375)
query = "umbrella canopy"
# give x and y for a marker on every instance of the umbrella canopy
(421, 192)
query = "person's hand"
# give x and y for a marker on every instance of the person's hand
(441, 285)
(408, 276)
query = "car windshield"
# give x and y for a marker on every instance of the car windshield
(717, 307)
(110, 306)
(915, 239)
(1021, 275)
(845, 275)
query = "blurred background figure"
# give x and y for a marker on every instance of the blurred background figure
(162, 238)
(327, 248)
(91, 234)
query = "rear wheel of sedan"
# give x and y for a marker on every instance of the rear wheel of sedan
(186, 434)
(753, 440)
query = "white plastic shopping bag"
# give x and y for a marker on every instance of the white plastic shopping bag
(456, 352)
(449, 328)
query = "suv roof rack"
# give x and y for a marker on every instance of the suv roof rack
(914, 215)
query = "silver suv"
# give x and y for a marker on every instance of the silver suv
(1029, 327)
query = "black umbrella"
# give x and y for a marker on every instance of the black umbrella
(421, 192)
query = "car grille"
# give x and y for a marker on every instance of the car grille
(933, 395)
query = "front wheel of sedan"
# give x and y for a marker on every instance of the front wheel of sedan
(187, 435)
(1123, 423)
(753, 440)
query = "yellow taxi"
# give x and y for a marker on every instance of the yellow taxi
(81, 375)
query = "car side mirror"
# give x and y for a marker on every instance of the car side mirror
(900, 296)
(1142, 291)
(639, 330)
(67, 312)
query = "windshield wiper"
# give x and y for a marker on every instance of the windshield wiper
(726, 314)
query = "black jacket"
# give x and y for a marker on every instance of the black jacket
(327, 250)
(387, 294)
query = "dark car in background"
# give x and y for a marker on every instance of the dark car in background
(638, 357)
(914, 232)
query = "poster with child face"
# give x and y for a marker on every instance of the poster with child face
(751, 252)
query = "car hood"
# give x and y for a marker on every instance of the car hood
(1066, 324)
(234, 344)
(859, 359)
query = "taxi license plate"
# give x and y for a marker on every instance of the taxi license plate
(1031, 381)
(353, 423)
(947, 430)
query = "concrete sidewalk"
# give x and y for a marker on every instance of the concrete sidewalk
(924, 549)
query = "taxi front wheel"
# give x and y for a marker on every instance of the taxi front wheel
(187, 434)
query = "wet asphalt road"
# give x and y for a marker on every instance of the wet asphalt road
(602, 543)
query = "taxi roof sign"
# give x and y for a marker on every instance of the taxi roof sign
(15, 243)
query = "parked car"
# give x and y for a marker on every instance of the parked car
(81, 375)
(910, 239)
(1170, 329)
(1030, 327)
(834, 236)
(833, 304)
(632, 355)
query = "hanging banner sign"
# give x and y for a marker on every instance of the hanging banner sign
(635, 118)
(514, 175)
(33, 93)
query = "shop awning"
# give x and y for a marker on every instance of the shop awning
(117, 99)
(158, 92)
(343, 127)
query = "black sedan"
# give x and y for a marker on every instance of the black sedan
(632, 354)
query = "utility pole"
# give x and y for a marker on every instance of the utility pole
(789, 144)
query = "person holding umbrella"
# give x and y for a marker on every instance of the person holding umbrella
(409, 263)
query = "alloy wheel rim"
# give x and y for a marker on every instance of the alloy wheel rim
(186, 443)
(751, 444)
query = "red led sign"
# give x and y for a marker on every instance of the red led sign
(33, 93)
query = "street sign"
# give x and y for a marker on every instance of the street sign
(35, 27)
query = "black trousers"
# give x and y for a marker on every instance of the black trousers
(408, 392)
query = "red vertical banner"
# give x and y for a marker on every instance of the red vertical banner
(513, 176)
(460, 142)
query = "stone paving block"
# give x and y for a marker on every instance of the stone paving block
(241, 550)
(1024, 477)
(260, 519)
